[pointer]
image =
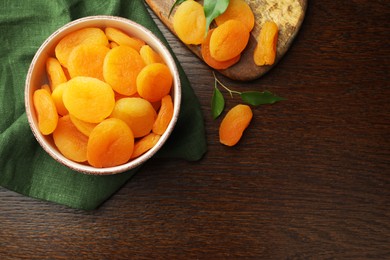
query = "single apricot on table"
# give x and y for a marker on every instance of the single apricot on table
(154, 82)
(110, 143)
(228, 40)
(70, 141)
(265, 52)
(46, 111)
(234, 123)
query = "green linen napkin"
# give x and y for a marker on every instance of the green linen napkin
(24, 166)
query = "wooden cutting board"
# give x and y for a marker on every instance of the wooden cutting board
(287, 14)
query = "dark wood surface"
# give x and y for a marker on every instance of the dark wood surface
(310, 179)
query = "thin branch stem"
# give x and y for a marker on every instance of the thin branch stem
(231, 92)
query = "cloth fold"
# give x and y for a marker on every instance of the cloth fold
(24, 166)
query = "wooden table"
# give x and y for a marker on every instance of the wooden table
(309, 179)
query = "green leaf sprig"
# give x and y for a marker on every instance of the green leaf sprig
(254, 98)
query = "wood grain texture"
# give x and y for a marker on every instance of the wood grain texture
(309, 180)
(287, 14)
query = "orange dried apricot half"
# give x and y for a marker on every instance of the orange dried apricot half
(121, 68)
(110, 143)
(228, 40)
(57, 98)
(87, 60)
(234, 123)
(70, 141)
(83, 36)
(84, 127)
(189, 22)
(218, 65)
(149, 56)
(89, 99)
(55, 73)
(145, 144)
(237, 10)
(154, 82)
(265, 52)
(137, 113)
(122, 38)
(164, 115)
(46, 111)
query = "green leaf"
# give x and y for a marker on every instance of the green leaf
(256, 98)
(213, 9)
(177, 2)
(217, 103)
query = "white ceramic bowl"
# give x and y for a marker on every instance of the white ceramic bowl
(36, 77)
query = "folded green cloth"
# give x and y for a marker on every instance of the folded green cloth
(24, 166)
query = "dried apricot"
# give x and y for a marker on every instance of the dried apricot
(55, 73)
(84, 127)
(57, 98)
(228, 40)
(83, 36)
(87, 60)
(46, 111)
(70, 141)
(149, 56)
(46, 87)
(237, 10)
(122, 38)
(164, 115)
(218, 65)
(137, 113)
(89, 99)
(110, 143)
(121, 68)
(265, 52)
(145, 144)
(154, 82)
(189, 22)
(234, 123)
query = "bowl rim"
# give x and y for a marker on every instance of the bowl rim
(137, 29)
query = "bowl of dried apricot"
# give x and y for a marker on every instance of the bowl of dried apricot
(102, 95)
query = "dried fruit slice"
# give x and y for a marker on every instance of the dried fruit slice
(89, 99)
(234, 124)
(228, 40)
(164, 115)
(121, 68)
(55, 73)
(83, 36)
(46, 111)
(154, 82)
(137, 113)
(189, 22)
(149, 56)
(265, 52)
(122, 38)
(110, 143)
(238, 10)
(70, 141)
(145, 144)
(87, 60)
(218, 65)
